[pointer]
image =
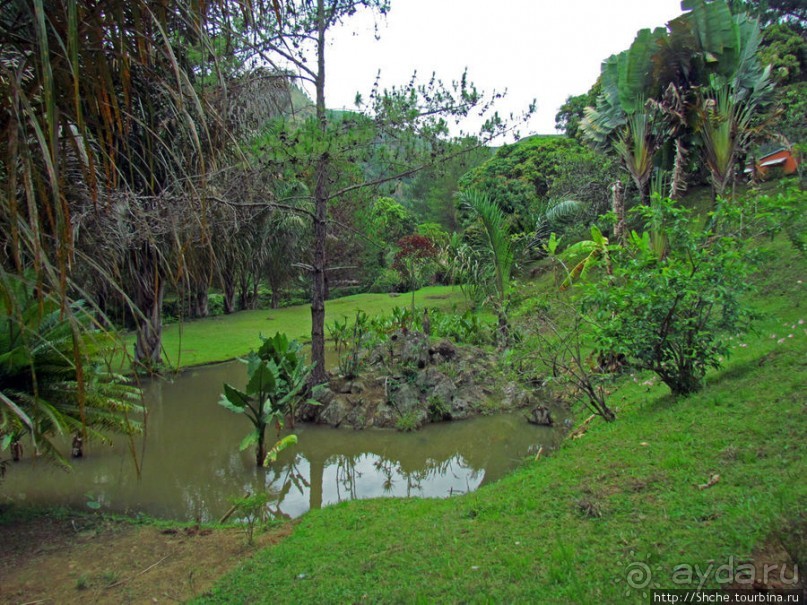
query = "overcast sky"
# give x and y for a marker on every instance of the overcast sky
(535, 49)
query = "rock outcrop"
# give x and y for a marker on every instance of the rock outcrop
(408, 382)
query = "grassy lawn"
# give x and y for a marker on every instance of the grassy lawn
(227, 336)
(569, 528)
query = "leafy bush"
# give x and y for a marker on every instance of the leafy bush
(467, 328)
(563, 349)
(439, 409)
(434, 231)
(522, 175)
(672, 313)
(785, 210)
(252, 511)
(215, 304)
(364, 333)
(388, 280)
(767, 215)
(473, 275)
(408, 422)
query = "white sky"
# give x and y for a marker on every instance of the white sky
(536, 49)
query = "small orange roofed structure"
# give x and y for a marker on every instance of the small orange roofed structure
(781, 158)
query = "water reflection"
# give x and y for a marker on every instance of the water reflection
(192, 469)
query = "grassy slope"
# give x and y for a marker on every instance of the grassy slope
(535, 537)
(227, 336)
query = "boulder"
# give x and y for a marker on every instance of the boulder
(385, 416)
(443, 351)
(444, 390)
(308, 412)
(540, 415)
(356, 386)
(336, 411)
(514, 397)
(415, 350)
(358, 417)
(348, 386)
(428, 379)
(407, 382)
(460, 408)
(405, 398)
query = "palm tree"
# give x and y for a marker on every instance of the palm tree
(115, 113)
(669, 81)
(46, 390)
(728, 121)
(499, 246)
(623, 120)
(636, 145)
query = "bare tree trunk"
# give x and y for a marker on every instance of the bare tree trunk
(678, 184)
(319, 375)
(253, 299)
(102, 297)
(229, 293)
(150, 290)
(201, 304)
(643, 186)
(503, 331)
(618, 206)
(243, 292)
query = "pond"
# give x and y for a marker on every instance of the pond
(191, 467)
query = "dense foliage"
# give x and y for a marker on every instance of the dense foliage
(355, 339)
(672, 311)
(527, 177)
(571, 113)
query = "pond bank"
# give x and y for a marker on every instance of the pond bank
(62, 557)
(226, 337)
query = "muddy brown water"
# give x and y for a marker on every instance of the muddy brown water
(192, 469)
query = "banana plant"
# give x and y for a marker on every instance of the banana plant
(728, 121)
(277, 376)
(585, 254)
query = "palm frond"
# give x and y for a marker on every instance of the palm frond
(564, 210)
(498, 236)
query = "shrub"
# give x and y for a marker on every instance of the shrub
(439, 409)
(252, 511)
(388, 280)
(563, 349)
(672, 311)
(348, 341)
(408, 422)
(467, 328)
